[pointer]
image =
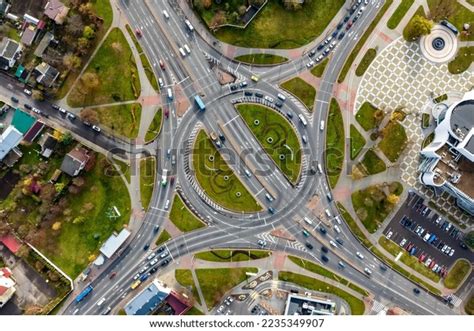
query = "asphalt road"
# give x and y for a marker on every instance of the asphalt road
(190, 76)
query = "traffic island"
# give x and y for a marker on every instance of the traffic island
(276, 136)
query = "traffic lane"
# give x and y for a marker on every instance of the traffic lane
(428, 222)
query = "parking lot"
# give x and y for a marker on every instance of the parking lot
(427, 235)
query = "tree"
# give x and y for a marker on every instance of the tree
(88, 32)
(23, 251)
(74, 26)
(37, 95)
(83, 45)
(78, 220)
(393, 199)
(90, 81)
(442, 9)
(417, 27)
(59, 187)
(66, 139)
(56, 226)
(89, 115)
(71, 61)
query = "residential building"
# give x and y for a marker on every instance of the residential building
(75, 161)
(33, 132)
(148, 300)
(9, 140)
(46, 74)
(448, 161)
(56, 11)
(7, 286)
(22, 121)
(43, 44)
(307, 305)
(10, 51)
(29, 34)
(47, 143)
(4, 7)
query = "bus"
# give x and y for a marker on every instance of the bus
(164, 178)
(84, 293)
(199, 103)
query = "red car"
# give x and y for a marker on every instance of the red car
(138, 32)
(422, 257)
(162, 65)
(167, 113)
(112, 275)
(432, 264)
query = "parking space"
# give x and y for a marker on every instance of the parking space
(427, 235)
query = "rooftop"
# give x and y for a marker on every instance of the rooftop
(148, 299)
(114, 242)
(9, 139)
(302, 305)
(22, 121)
(462, 119)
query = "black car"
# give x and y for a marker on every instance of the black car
(383, 267)
(289, 114)
(248, 93)
(334, 34)
(259, 95)
(27, 106)
(309, 245)
(339, 26)
(340, 241)
(279, 104)
(312, 170)
(153, 270)
(156, 228)
(221, 137)
(322, 230)
(416, 290)
(324, 258)
(320, 47)
(324, 249)
(346, 18)
(341, 35)
(14, 99)
(312, 53)
(165, 262)
(146, 247)
(161, 249)
(233, 87)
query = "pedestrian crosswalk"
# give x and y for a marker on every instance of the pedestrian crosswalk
(377, 307)
(267, 237)
(296, 245)
(456, 301)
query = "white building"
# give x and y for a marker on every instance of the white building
(7, 286)
(447, 163)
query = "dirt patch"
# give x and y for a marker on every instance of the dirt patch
(281, 233)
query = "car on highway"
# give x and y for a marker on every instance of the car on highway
(162, 64)
(167, 204)
(324, 258)
(160, 82)
(304, 139)
(289, 114)
(165, 14)
(337, 229)
(27, 92)
(341, 264)
(359, 255)
(368, 271)
(262, 243)
(96, 128)
(322, 230)
(416, 290)
(112, 275)
(14, 99)
(308, 245)
(324, 249)
(146, 247)
(340, 241)
(332, 243)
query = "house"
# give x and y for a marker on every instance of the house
(7, 286)
(47, 143)
(10, 51)
(33, 132)
(75, 161)
(4, 7)
(29, 34)
(115, 241)
(148, 300)
(9, 139)
(46, 74)
(22, 121)
(43, 44)
(56, 11)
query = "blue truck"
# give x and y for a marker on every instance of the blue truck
(84, 293)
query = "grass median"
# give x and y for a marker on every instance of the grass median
(147, 180)
(334, 143)
(226, 255)
(302, 90)
(262, 59)
(399, 13)
(457, 274)
(155, 126)
(182, 217)
(357, 142)
(218, 180)
(369, 56)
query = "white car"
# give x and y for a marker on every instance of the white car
(338, 230)
(333, 244)
(338, 220)
(310, 64)
(428, 262)
(367, 271)
(154, 261)
(403, 242)
(136, 276)
(152, 255)
(167, 204)
(389, 235)
(267, 98)
(96, 128)
(359, 255)
(36, 110)
(262, 243)
(27, 92)
(160, 81)
(452, 252)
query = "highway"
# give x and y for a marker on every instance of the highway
(190, 76)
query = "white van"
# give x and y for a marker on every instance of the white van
(187, 49)
(321, 126)
(100, 302)
(189, 25)
(307, 220)
(320, 169)
(247, 173)
(182, 52)
(165, 14)
(302, 119)
(337, 229)
(160, 81)
(281, 97)
(269, 197)
(170, 94)
(328, 213)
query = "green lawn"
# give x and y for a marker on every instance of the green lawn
(155, 126)
(357, 142)
(185, 278)
(182, 217)
(399, 13)
(124, 169)
(302, 90)
(373, 205)
(371, 164)
(425, 120)
(428, 140)
(215, 283)
(369, 56)
(334, 143)
(457, 274)
(276, 27)
(104, 10)
(149, 72)
(134, 38)
(261, 59)
(362, 41)
(147, 179)
(319, 69)
(224, 255)
(218, 180)
(407, 259)
(164, 236)
(317, 269)
(122, 119)
(357, 305)
(116, 70)
(194, 311)
(367, 116)
(276, 136)
(355, 229)
(462, 61)
(457, 16)
(394, 140)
